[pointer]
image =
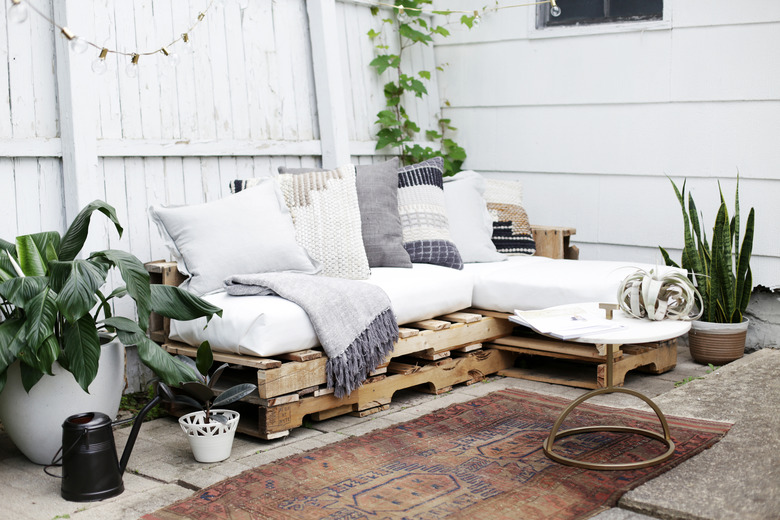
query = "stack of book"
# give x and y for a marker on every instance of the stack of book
(568, 322)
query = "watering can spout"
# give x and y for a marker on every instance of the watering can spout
(162, 392)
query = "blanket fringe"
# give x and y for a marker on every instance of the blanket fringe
(347, 371)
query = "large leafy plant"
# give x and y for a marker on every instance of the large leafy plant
(396, 128)
(52, 305)
(721, 269)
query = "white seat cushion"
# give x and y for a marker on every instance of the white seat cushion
(268, 325)
(535, 282)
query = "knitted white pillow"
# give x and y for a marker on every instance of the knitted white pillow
(326, 215)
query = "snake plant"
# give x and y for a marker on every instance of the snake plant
(52, 306)
(721, 270)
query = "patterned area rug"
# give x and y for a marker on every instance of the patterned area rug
(480, 459)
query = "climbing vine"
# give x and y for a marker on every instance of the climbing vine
(396, 128)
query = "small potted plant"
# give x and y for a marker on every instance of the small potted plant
(721, 271)
(61, 349)
(210, 430)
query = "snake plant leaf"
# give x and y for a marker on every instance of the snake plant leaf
(136, 280)
(744, 276)
(171, 370)
(41, 313)
(74, 238)
(178, 304)
(19, 291)
(82, 348)
(233, 394)
(722, 276)
(82, 279)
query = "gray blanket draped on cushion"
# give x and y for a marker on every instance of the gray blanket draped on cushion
(353, 320)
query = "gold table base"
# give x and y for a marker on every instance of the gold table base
(555, 434)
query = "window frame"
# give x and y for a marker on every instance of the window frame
(537, 29)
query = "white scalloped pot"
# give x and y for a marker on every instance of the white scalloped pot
(34, 421)
(212, 441)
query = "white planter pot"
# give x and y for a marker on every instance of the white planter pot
(34, 421)
(212, 441)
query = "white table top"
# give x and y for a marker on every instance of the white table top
(634, 331)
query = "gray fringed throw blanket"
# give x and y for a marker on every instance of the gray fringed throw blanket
(353, 320)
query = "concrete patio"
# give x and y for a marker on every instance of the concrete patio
(739, 478)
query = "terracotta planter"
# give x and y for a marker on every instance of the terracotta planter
(717, 343)
(34, 421)
(212, 441)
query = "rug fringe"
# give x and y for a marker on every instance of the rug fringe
(347, 371)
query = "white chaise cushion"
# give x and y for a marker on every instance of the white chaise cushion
(268, 325)
(535, 282)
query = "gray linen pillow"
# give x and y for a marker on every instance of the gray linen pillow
(377, 191)
(250, 232)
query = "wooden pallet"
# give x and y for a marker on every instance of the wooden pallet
(435, 353)
(655, 358)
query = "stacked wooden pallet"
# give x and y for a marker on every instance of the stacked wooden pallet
(431, 355)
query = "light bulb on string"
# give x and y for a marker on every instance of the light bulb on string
(477, 18)
(554, 9)
(402, 16)
(77, 45)
(132, 68)
(173, 58)
(18, 12)
(186, 48)
(99, 65)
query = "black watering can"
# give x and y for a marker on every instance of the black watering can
(90, 469)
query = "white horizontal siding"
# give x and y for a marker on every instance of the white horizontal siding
(593, 123)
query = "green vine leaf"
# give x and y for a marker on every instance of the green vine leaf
(374, 10)
(425, 74)
(373, 34)
(467, 20)
(414, 35)
(385, 61)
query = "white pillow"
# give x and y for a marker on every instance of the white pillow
(250, 232)
(471, 226)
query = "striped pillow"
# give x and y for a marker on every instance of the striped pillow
(511, 230)
(421, 205)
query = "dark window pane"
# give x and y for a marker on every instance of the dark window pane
(574, 12)
(627, 8)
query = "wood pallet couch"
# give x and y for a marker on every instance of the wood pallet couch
(454, 255)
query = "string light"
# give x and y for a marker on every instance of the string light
(132, 68)
(99, 66)
(554, 9)
(17, 13)
(19, 10)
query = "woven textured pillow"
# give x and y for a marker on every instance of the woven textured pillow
(377, 191)
(511, 230)
(423, 212)
(324, 209)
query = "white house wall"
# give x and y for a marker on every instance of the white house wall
(592, 120)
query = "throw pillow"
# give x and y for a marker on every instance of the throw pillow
(377, 192)
(426, 230)
(471, 226)
(325, 211)
(250, 232)
(511, 230)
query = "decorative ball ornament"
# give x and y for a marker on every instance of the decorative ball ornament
(660, 296)
(554, 9)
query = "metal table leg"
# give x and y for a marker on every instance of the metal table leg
(555, 434)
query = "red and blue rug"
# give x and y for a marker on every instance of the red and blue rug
(480, 459)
